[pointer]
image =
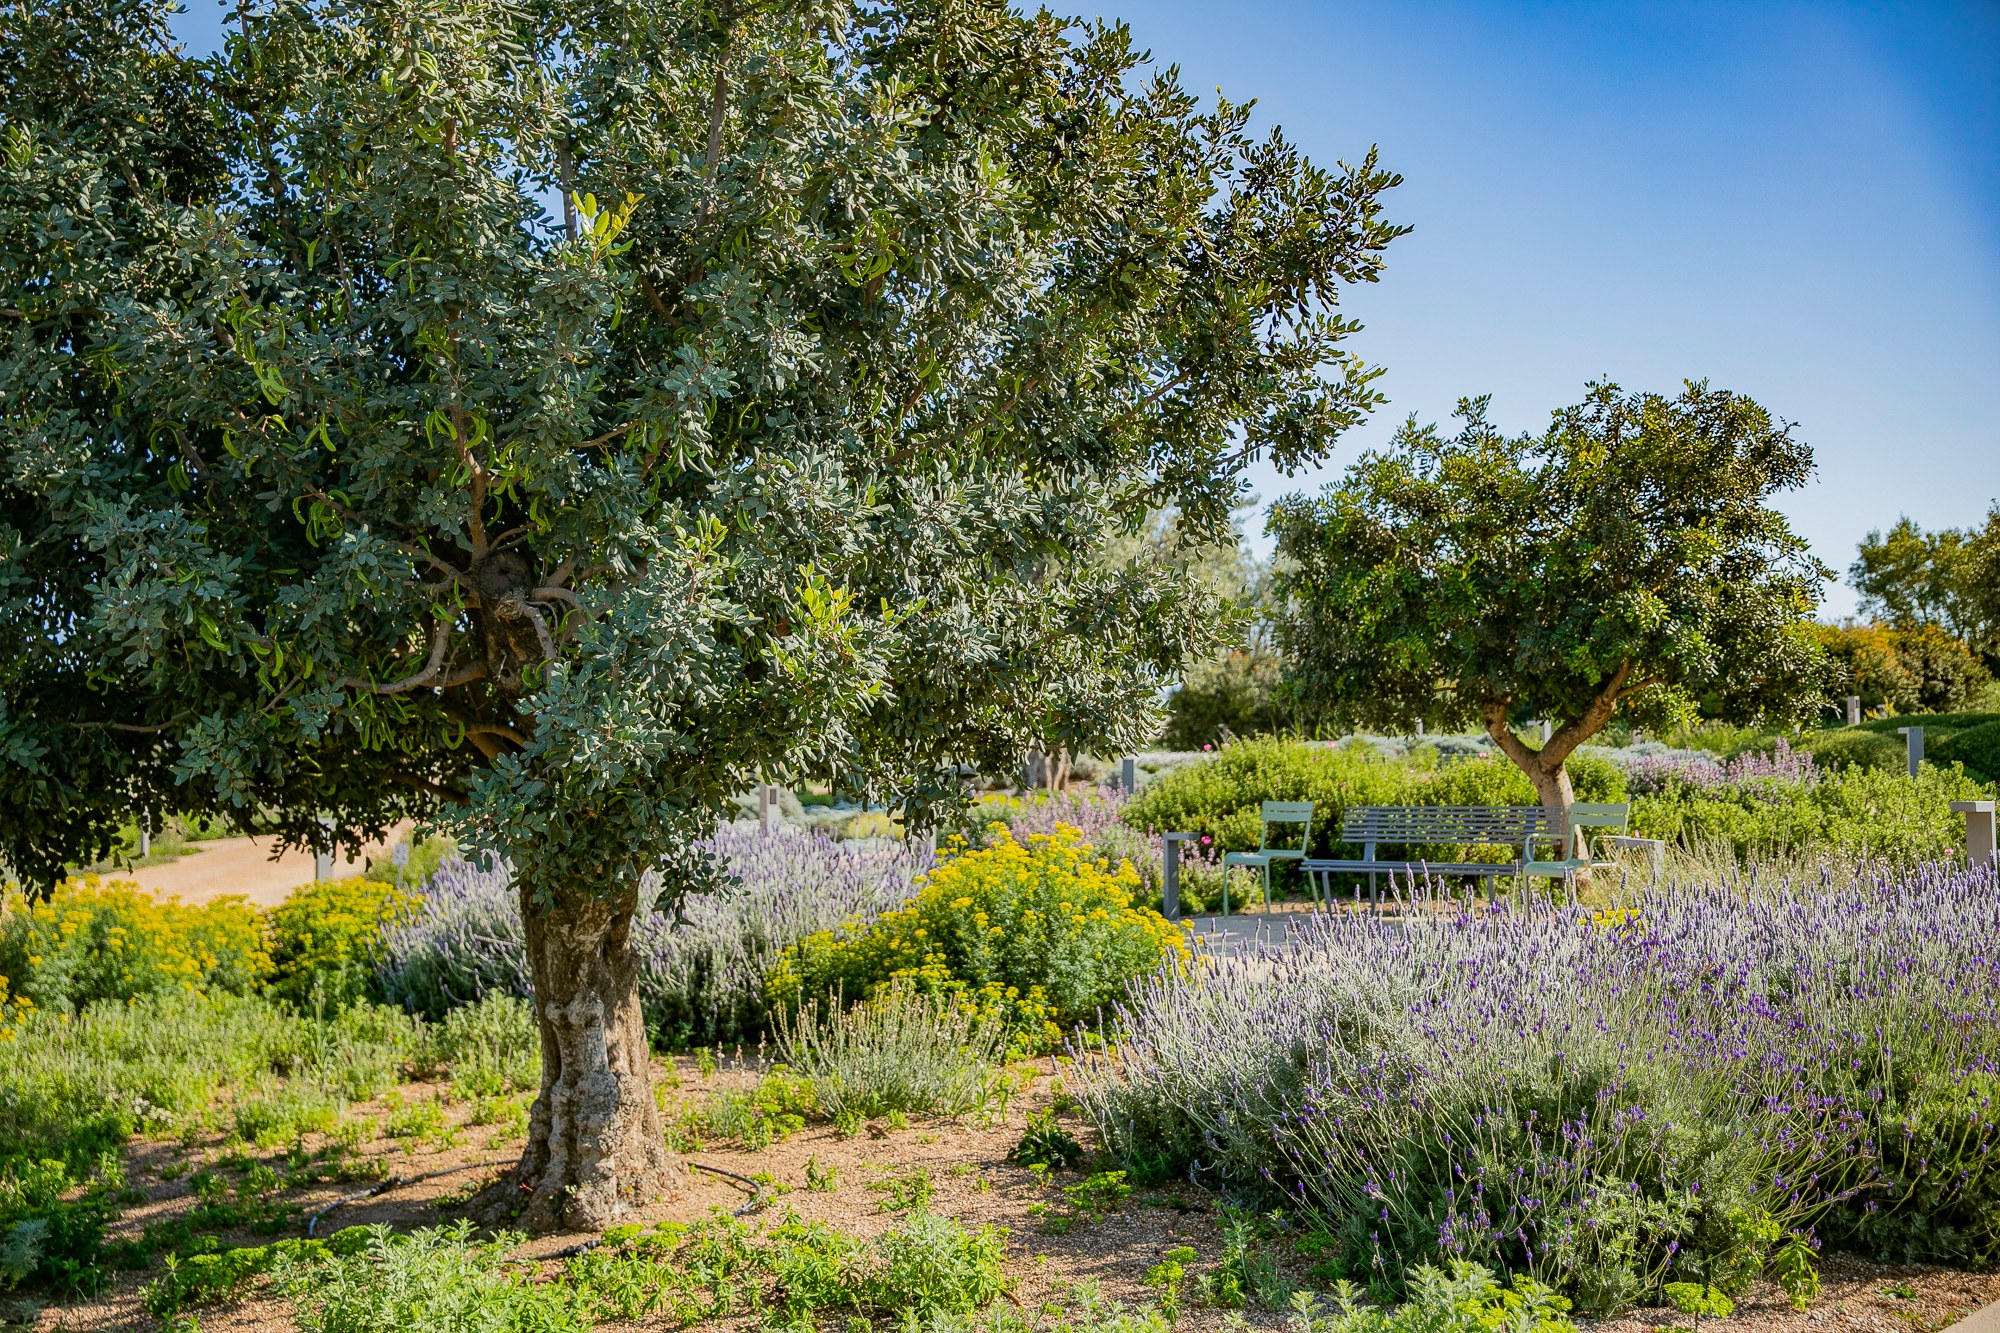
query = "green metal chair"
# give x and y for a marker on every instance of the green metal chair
(1608, 821)
(1271, 812)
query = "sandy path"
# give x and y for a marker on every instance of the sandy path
(242, 865)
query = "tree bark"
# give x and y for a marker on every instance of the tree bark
(1545, 767)
(595, 1145)
(1549, 777)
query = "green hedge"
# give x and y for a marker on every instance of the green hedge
(1971, 739)
(1219, 797)
(1859, 809)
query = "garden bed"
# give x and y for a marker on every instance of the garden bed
(970, 1179)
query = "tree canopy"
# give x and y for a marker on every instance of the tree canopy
(1625, 561)
(550, 417)
(1949, 578)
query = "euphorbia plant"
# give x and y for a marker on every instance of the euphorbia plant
(546, 419)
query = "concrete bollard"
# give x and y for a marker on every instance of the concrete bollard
(1128, 775)
(1853, 710)
(764, 803)
(1170, 873)
(1979, 831)
(1913, 738)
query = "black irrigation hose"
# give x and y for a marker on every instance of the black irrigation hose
(394, 1182)
(756, 1186)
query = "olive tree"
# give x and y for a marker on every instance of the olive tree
(1625, 561)
(547, 419)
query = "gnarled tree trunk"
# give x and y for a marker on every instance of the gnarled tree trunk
(595, 1145)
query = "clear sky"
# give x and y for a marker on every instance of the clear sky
(1797, 201)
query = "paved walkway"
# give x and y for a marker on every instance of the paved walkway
(242, 866)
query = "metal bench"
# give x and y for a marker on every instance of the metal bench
(1517, 827)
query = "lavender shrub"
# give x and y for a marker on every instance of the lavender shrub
(1646, 775)
(1605, 1102)
(701, 970)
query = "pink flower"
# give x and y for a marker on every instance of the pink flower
(1208, 747)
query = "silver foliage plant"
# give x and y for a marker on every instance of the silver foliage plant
(1605, 1101)
(701, 963)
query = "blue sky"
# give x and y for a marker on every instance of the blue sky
(1800, 202)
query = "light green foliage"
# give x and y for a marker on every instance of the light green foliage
(434, 1281)
(900, 1051)
(1851, 812)
(326, 938)
(905, 1191)
(491, 1048)
(73, 1089)
(1697, 1299)
(1169, 1276)
(1624, 562)
(794, 1274)
(1246, 1273)
(930, 1264)
(821, 1179)
(1467, 1299)
(777, 1107)
(1219, 797)
(1791, 1264)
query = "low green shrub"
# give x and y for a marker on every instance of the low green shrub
(1855, 811)
(491, 1048)
(92, 940)
(326, 938)
(900, 1051)
(930, 1265)
(1938, 1199)
(439, 1280)
(1465, 1299)
(1219, 798)
(1041, 937)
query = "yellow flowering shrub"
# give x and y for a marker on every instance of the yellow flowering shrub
(92, 940)
(329, 935)
(1043, 935)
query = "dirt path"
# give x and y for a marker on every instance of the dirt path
(241, 865)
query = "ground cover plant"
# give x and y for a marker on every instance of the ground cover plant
(1607, 1101)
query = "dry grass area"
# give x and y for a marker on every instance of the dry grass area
(962, 1164)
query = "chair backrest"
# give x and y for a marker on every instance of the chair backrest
(1612, 818)
(1412, 825)
(1285, 812)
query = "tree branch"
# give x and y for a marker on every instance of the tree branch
(440, 640)
(1578, 730)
